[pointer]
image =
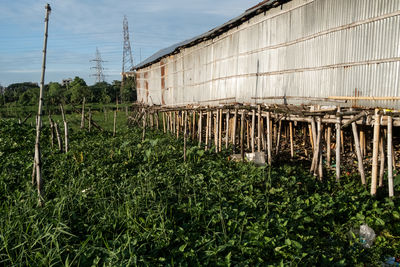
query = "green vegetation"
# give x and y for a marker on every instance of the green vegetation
(24, 94)
(123, 201)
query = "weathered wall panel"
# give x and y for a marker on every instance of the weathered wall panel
(306, 48)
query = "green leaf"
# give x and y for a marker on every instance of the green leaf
(182, 248)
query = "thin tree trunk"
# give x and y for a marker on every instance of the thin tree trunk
(66, 141)
(51, 131)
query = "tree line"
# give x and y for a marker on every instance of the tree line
(27, 93)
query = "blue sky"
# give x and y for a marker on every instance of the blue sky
(77, 27)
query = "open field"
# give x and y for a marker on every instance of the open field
(121, 201)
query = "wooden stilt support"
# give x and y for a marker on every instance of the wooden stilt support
(374, 178)
(156, 118)
(389, 155)
(269, 138)
(227, 129)
(163, 121)
(338, 141)
(216, 128)
(291, 140)
(253, 122)
(234, 130)
(242, 136)
(259, 129)
(59, 140)
(200, 126)
(314, 161)
(144, 126)
(358, 152)
(220, 130)
(278, 140)
(207, 129)
(328, 146)
(193, 125)
(185, 134)
(382, 159)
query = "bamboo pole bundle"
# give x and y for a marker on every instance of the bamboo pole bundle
(374, 177)
(389, 155)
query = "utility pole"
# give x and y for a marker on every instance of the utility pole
(127, 59)
(37, 160)
(99, 75)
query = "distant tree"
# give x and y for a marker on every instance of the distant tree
(29, 97)
(55, 93)
(128, 91)
(79, 90)
(13, 92)
(100, 92)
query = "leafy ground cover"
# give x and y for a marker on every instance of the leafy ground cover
(121, 201)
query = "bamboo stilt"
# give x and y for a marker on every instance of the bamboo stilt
(389, 155)
(220, 130)
(358, 152)
(216, 130)
(234, 130)
(247, 134)
(253, 122)
(66, 140)
(193, 126)
(269, 137)
(291, 140)
(382, 159)
(374, 178)
(227, 129)
(185, 135)
(200, 127)
(59, 140)
(314, 161)
(163, 121)
(338, 141)
(157, 120)
(278, 140)
(362, 142)
(328, 146)
(342, 140)
(207, 129)
(51, 123)
(242, 136)
(259, 129)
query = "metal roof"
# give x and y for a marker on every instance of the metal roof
(173, 49)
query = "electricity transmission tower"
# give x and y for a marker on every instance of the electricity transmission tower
(99, 75)
(127, 59)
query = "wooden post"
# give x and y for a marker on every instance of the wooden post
(115, 122)
(358, 152)
(83, 113)
(382, 159)
(269, 137)
(314, 161)
(65, 128)
(59, 140)
(90, 120)
(194, 125)
(389, 155)
(374, 178)
(242, 135)
(185, 134)
(234, 130)
(51, 123)
(259, 129)
(328, 146)
(216, 128)
(291, 139)
(220, 130)
(253, 122)
(338, 141)
(178, 124)
(247, 134)
(227, 129)
(278, 138)
(37, 158)
(144, 125)
(317, 150)
(207, 129)
(200, 126)
(157, 120)
(362, 142)
(163, 121)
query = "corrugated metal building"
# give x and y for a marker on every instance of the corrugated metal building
(295, 52)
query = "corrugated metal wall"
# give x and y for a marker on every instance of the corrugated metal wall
(304, 50)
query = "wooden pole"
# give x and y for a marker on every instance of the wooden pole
(247, 133)
(362, 142)
(311, 136)
(37, 158)
(328, 146)
(382, 159)
(65, 128)
(83, 113)
(216, 128)
(291, 139)
(185, 134)
(144, 126)
(220, 130)
(90, 120)
(389, 155)
(278, 138)
(200, 126)
(157, 120)
(269, 137)
(259, 129)
(242, 136)
(51, 123)
(59, 140)
(234, 130)
(374, 178)
(314, 161)
(338, 141)
(207, 129)
(227, 129)
(115, 122)
(358, 152)
(194, 125)
(164, 124)
(253, 122)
